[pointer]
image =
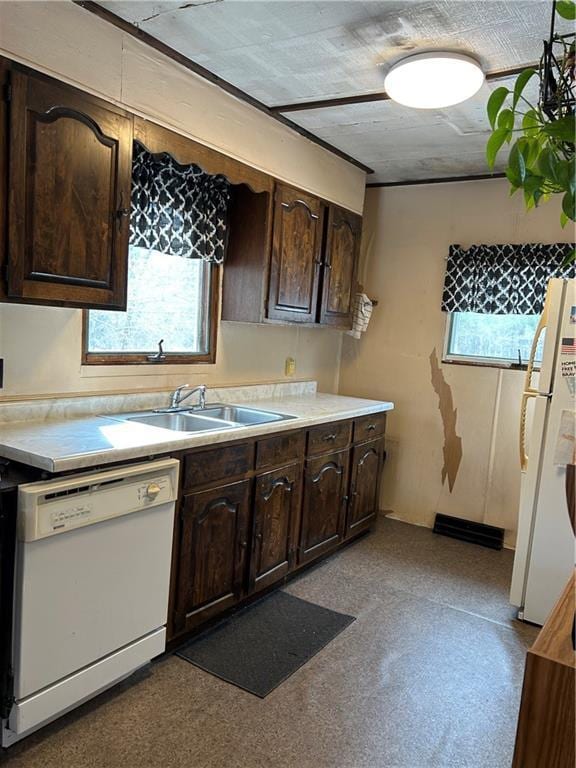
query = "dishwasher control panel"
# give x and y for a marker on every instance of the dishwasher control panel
(56, 506)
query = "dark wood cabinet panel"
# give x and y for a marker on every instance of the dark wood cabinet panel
(220, 464)
(280, 449)
(369, 427)
(329, 437)
(342, 250)
(296, 256)
(213, 552)
(276, 505)
(69, 195)
(364, 485)
(324, 504)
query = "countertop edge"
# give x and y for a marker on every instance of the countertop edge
(185, 442)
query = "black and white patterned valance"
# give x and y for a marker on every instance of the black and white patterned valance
(503, 279)
(178, 209)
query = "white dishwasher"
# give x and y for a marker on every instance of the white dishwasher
(91, 589)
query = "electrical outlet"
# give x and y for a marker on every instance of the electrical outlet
(289, 366)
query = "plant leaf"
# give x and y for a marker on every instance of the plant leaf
(547, 165)
(566, 175)
(563, 219)
(566, 9)
(569, 259)
(530, 123)
(495, 102)
(520, 84)
(495, 143)
(517, 165)
(530, 149)
(563, 129)
(569, 206)
(506, 119)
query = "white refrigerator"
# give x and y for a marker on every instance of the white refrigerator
(545, 548)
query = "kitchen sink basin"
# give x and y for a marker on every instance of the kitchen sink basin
(183, 421)
(241, 415)
(205, 420)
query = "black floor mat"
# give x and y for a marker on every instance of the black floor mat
(262, 645)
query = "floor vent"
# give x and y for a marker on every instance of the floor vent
(467, 530)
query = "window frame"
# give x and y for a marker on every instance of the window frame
(172, 358)
(482, 362)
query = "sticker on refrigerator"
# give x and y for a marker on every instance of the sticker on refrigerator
(573, 314)
(565, 452)
(568, 346)
(568, 371)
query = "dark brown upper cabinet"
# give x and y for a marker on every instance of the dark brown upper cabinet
(292, 259)
(69, 195)
(342, 251)
(296, 256)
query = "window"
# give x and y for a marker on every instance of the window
(169, 298)
(491, 339)
(178, 232)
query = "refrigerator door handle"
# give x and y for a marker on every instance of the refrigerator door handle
(523, 409)
(529, 390)
(540, 328)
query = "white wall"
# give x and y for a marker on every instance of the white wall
(41, 346)
(406, 238)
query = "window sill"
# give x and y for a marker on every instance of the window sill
(487, 364)
(97, 359)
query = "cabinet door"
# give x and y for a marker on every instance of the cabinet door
(364, 485)
(323, 509)
(340, 265)
(69, 201)
(277, 498)
(296, 244)
(213, 545)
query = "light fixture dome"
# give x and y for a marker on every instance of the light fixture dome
(434, 80)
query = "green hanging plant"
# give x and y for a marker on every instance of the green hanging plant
(541, 136)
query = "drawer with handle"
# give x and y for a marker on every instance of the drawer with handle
(329, 437)
(368, 427)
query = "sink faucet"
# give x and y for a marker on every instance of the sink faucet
(177, 397)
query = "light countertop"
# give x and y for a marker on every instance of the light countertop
(67, 444)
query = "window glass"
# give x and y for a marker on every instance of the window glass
(500, 338)
(168, 298)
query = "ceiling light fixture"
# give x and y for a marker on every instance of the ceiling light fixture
(434, 80)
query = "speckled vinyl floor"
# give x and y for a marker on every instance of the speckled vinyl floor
(429, 676)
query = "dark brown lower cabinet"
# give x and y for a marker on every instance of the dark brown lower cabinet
(364, 485)
(324, 504)
(213, 552)
(276, 506)
(280, 502)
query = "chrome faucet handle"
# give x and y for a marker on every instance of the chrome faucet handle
(175, 399)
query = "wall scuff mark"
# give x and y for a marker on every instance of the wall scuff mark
(452, 442)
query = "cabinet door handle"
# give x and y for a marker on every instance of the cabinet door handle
(281, 482)
(123, 212)
(371, 427)
(329, 437)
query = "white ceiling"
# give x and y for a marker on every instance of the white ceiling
(285, 52)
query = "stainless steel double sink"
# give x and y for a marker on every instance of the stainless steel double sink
(213, 417)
